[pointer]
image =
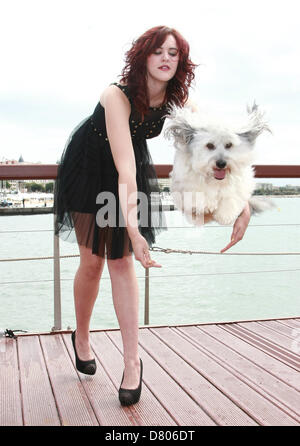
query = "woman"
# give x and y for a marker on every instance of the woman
(107, 154)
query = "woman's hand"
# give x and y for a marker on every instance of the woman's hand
(141, 251)
(239, 228)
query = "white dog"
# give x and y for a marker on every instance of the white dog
(212, 170)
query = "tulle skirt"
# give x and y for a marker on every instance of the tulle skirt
(86, 198)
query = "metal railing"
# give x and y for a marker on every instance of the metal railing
(49, 171)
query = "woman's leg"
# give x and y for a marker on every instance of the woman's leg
(126, 299)
(86, 287)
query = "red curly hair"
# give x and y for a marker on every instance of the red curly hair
(135, 69)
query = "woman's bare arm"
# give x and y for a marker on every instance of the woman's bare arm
(117, 112)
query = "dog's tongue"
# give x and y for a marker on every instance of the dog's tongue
(220, 174)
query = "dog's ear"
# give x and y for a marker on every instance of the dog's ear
(179, 127)
(256, 124)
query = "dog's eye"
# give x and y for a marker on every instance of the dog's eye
(228, 145)
(210, 146)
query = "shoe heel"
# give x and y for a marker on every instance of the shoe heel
(87, 367)
(128, 397)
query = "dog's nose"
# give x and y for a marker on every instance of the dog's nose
(221, 164)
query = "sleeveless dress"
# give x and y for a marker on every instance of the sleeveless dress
(87, 170)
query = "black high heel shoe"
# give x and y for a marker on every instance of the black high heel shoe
(131, 396)
(88, 367)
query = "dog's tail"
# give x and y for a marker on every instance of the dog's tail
(260, 204)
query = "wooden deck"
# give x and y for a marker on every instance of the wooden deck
(234, 374)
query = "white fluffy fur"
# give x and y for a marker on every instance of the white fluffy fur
(194, 187)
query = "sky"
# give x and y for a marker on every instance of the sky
(57, 56)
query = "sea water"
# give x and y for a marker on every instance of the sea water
(189, 288)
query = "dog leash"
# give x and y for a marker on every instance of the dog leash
(182, 251)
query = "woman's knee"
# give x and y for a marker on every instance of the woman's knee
(120, 265)
(90, 264)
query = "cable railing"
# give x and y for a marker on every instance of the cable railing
(35, 172)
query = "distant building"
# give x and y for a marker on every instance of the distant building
(6, 161)
(19, 161)
(164, 182)
(264, 186)
(21, 184)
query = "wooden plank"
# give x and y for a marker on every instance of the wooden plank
(293, 323)
(279, 328)
(72, 403)
(28, 171)
(10, 401)
(220, 408)
(266, 346)
(277, 171)
(271, 388)
(100, 390)
(268, 334)
(38, 401)
(255, 405)
(171, 396)
(257, 356)
(49, 171)
(147, 411)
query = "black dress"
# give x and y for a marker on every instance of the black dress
(87, 169)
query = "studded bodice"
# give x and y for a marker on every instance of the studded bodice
(148, 128)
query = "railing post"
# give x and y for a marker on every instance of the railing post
(146, 309)
(57, 293)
